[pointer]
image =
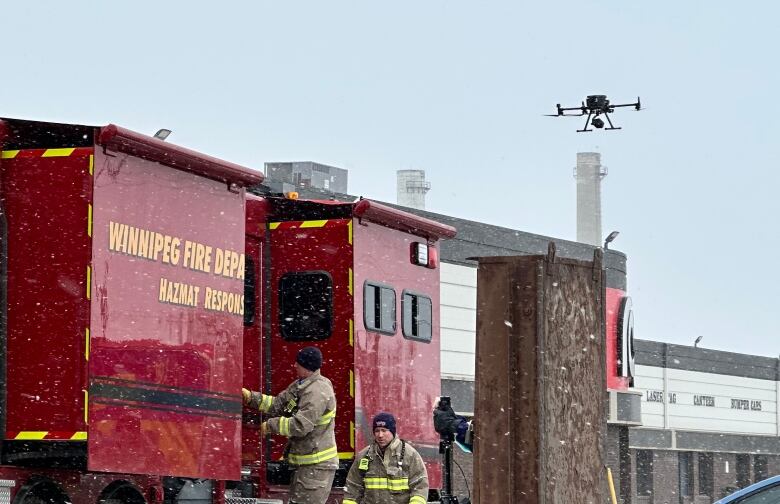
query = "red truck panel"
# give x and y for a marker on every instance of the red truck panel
(392, 373)
(45, 198)
(166, 321)
(317, 245)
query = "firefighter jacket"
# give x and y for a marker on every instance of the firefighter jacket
(397, 478)
(304, 413)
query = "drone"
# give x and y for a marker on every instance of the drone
(594, 106)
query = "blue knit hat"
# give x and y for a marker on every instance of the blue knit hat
(385, 420)
(310, 358)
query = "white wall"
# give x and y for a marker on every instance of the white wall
(458, 321)
(694, 400)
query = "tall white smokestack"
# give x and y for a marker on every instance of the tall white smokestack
(412, 188)
(588, 174)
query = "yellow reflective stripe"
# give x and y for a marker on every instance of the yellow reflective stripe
(79, 436)
(375, 483)
(86, 346)
(58, 152)
(91, 164)
(327, 417)
(284, 426)
(398, 483)
(351, 332)
(349, 230)
(313, 458)
(89, 219)
(31, 435)
(265, 402)
(346, 455)
(86, 405)
(274, 225)
(351, 278)
(9, 154)
(89, 282)
(348, 501)
(416, 499)
(313, 223)
(351, 383)
(386, 483)
(351, 434)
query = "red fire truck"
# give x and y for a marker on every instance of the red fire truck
(142, 288)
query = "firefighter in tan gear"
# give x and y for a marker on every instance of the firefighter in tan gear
(305, 413)
(389, 471)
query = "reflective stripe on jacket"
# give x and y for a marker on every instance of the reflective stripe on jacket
(388, 479)
(305, 413)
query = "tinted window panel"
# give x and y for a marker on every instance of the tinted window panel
(306, 306)
(379, 308)
(417, 319)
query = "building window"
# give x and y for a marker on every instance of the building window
(685, 471)
(706, 474)
(306, 306)
(644, 473)
(379, 308)
(417, 316)
(760, 471)
(743, 470)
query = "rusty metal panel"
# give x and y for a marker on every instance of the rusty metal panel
(540, 401)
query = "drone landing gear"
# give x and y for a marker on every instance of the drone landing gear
(587, 121)
(597, 122)
(611, 127)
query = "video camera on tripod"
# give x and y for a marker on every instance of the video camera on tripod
(450, 427)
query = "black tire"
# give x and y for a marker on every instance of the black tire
(41, 491)
(121, 492)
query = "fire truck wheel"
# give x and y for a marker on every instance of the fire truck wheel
(121, 492)
(41, 491)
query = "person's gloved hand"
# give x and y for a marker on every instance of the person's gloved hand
(263, 429)
(246, 395)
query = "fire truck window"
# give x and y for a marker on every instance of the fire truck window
(250, 291)
(306, 306)
(417, 318)
(379, 308)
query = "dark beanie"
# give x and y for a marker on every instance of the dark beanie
(385, 420)
(310, 358)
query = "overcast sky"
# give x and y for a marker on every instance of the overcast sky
(458, 89)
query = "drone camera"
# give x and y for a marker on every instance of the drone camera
(597, 123)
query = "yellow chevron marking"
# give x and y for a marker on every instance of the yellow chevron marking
(58, 152)
(89, 219)
(351, 333)
(349, 231)
(274, 225)
(351, 383)
(89, 282)
(86, 347)
(91, 164)
(79, 436)
(313, 223)
(346, 455)
(31, 435)
(350, 281)
(9, 154)
(351, 434)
